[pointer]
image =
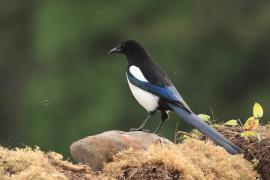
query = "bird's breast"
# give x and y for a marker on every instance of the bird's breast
(147, 100)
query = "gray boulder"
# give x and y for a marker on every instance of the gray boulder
(95, 150)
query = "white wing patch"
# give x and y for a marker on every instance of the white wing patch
(147, 100)
(136, 72)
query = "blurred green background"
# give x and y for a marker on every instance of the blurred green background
(58, 83)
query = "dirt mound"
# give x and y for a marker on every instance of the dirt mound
(256, 151)
(149, 171)
(193, 159)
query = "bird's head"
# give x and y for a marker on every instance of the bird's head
(129, 48)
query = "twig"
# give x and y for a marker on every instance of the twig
(175, 132)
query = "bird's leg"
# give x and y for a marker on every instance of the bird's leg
(164, 116)
(144, 123)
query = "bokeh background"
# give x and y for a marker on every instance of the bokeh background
(58, 83)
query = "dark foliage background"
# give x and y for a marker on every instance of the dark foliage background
(58, 83)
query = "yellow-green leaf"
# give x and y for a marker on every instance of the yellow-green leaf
(204, 117)
(257, 110)
(231, 122)
(248, 134)
(185, 136)
(251, 124)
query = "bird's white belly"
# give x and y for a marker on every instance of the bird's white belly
(145, 99)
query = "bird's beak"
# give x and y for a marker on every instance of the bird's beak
(117, 49)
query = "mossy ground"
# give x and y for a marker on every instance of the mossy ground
(192, 159)
(256, 151)
(28, 163)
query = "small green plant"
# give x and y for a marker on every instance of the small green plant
(251, 124)
(253, 121)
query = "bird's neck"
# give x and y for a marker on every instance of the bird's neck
(138, 58)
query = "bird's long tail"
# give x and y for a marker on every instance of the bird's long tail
(195, 121)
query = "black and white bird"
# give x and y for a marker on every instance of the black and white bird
(154, 91)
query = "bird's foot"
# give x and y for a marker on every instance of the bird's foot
(138, 129)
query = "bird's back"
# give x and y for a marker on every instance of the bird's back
(155, 74)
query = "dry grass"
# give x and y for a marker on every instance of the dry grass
(27, 163)
(191, 160)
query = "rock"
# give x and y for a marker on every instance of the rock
(95, 150)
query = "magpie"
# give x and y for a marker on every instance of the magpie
(154, 91)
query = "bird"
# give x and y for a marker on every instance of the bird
(154, 91)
